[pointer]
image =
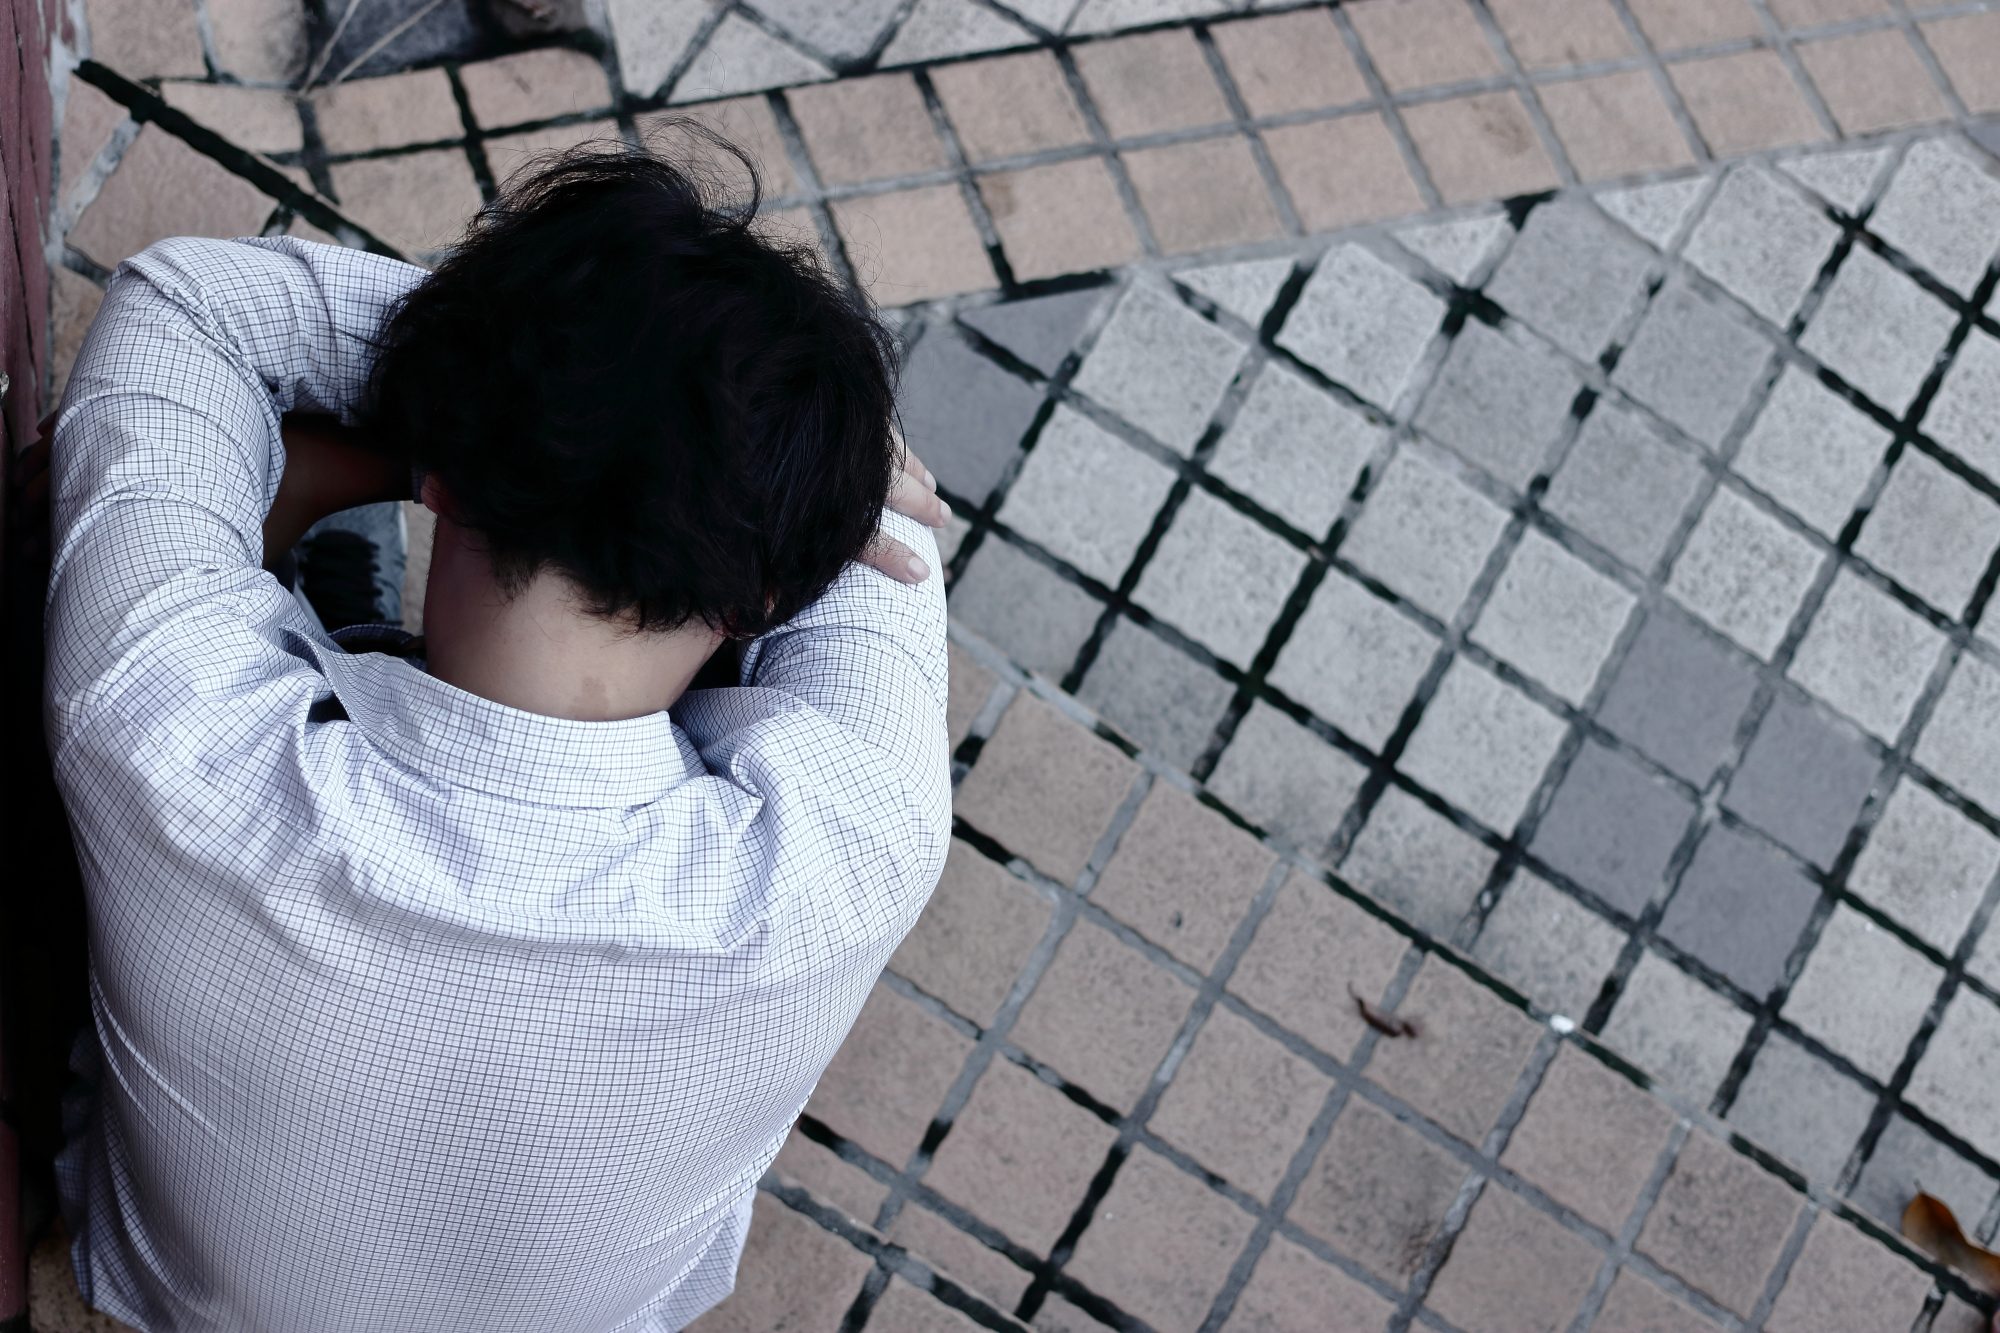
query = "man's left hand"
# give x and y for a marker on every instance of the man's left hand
(914, 495)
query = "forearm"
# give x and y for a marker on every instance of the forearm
(328, 468)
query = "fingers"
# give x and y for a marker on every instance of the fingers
(912, 498)
(896, 560)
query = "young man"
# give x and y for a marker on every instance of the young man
(471, 984)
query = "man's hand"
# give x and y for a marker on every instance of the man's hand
(913, 495)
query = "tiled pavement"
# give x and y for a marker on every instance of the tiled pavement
(1558, 618)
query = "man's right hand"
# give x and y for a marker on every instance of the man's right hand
(914, 495)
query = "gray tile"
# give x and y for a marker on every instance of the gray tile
(1612, 827)
(1803, 779)
(1678, 696)
(1985, 960)
(1878, 330)
(1811, 451)
(1931, 532)
(1942, 209)
(1086, 495)
(1220, 578)
(1041, 330)
(1739, 908)
(1482, 745)
(1744, 572)
(1160, 366)
(1354, 659)
(1761, 242)
(1692, 363)
(1552, 617)
(1425, 533)
(1623, 486)
(1246, 290)
(1955, 1079)
(1867, 655)
(1283, 777)
(1455, 248)
(1572, 276)
(1863, 992)
(1654, 211)
(963, 415)
(1926, 865)
(1417, 863)
(1153, 692)
(1362, 323)
(1549, 945)
(1676, 1029)
(1965, 415)
(841, 28)
(1907, 1159)
(1798, 1106)
(1843, 177)
(1961, 743)
(1023, 608)
(1295, 449)
(1499, 403)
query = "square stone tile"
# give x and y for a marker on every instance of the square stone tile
(1377, 1192)
(1161, 1243)
(141, 39)
(1040, 330)
(263, 120)
(1844, 177)
(1103, 1015)
(1461, 1066)
(1020, 1155)
(1926, 865)
(1878, 330)
(1720, 1222)
(1613, 827)
(1744, 572)
(1549, 34)
(1943, 210)
(1482, 745)
(1342, 172)
(1183, 876)
(867, 128)
(829, 1178)
(913, 245)
(1290, 1288)
(1740, 908)
(1160, 366)
(1803, 779)
(795, 1274)
(907, 1309)
(1872, 81)
(1623, 485)
(1954, 1080)
(1571, 275)
(1614, 124)
(1157, 695)
(1678, 696)
(1867, 655)
(1676, 1029)
(963, 415)
(1499, 402)
(889, 1077)
(1589, 1138)
(1968, 48)
(1220, 578)
(1354, 659)
(1044, 787)
(1240, 1104)
(973, 938)
(1985, 960)
(1422, 43)
(1931, 532)
(1151, 82)
(1907, 1159)
(1842, 1276)
(164, 188)
(1203, 195)
(534, 85)
(1282, 777)
(1798, 1106)
(418, 202)
(1009, 105)
(393, 111)
(1692, 363)
(1548, 945)
(961, 1257)
(1962, 742)
(1863, 992)
(1655, 212)
(1513, 1265)
(1762, 242)
(1745, 102)
(1480, 147)
(1310, 948)
(1362, 323)
(1061, 218)
(1810, 451)
(1965, 415)
(1419, 864)
(1086, 495)
(1425, 533)
(1552, 617)
(1637, 1306)
(1024, 608)
(1671, 25)
(1283, 63)
(1295, 450)
(1816, 13)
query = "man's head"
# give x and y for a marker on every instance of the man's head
(616, 380)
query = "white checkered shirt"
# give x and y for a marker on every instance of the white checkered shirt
(441, 1015)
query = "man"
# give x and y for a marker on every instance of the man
(471, 984)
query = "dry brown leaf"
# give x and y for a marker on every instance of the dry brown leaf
(1928, 1223)
(1389, 1025)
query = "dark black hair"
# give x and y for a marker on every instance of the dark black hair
(619, 379)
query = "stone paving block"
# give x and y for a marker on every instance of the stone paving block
(1810, 451)
(1867, 655)
(1062, 218)
(1041, 330)
(1762, 242)
(1692, 363)
(263, 120)
(1623, 485)
(1676, 1029)
(1637, 1306)
(937, 29)
(1309, 950)
(1499, 402)
(1480, 147)
(1421, 43)
(1291, 1289)
(1203, 195)
(1045, 787)
(1844, 177)
(913, 245)
(867, 128)
(1797, 1106)
(417, 202)
(907, 1309)
(975, 936)
(1863, 992)
(1931, 532)
(1150, 82)
(1548, 945)
(746, 122)
(1157, 695)
(1354, 659)
(164, 188)
(1378, 1192)
(1245, 289)
(1458, 247)
(1295, 450)
(1740, 908)
(1803, 779)
(1719, 1223)
(845, 30)
(1460, 1068)
(1513, 1266)
(1009, 105)
(1744, 102)
(829, 1178)
(1907, 1159)
(1818, 13)
(1965, 415)
(889, 1077)
(1678, 696)
(1985, 960)
(1548, 34)
(1343, 171)
(1103, 1015)
(1020, 1155)
(1967, 47)
(1589, 1139)
(971, 683)
(1220, 578)
(1954, 1080)
(533, 85)
(963, 415)
(1671, 25)
(1482, 745)
(1962, 743)
(1240, 1103)
(1183, 876)
(88, 118)
(1024, 608)
(1553, 617)
(1872, 81)
(1744, 572)
(1943, 210)
(1086, 495)
(1283, 63)
(144, 39)
(651, 37)
(75, 300)
(1281, 776)
(1058, 1315)
(1161, 1243)
(388, 112)
(1425, 533)
(1614, 125)
(1160, 366)
(1419, 864)
(1613, 827)
(1842, 1277)
(793, 1274)
(1362, 323)
(1572, 275)
(963, 1258)
(1878, 330)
